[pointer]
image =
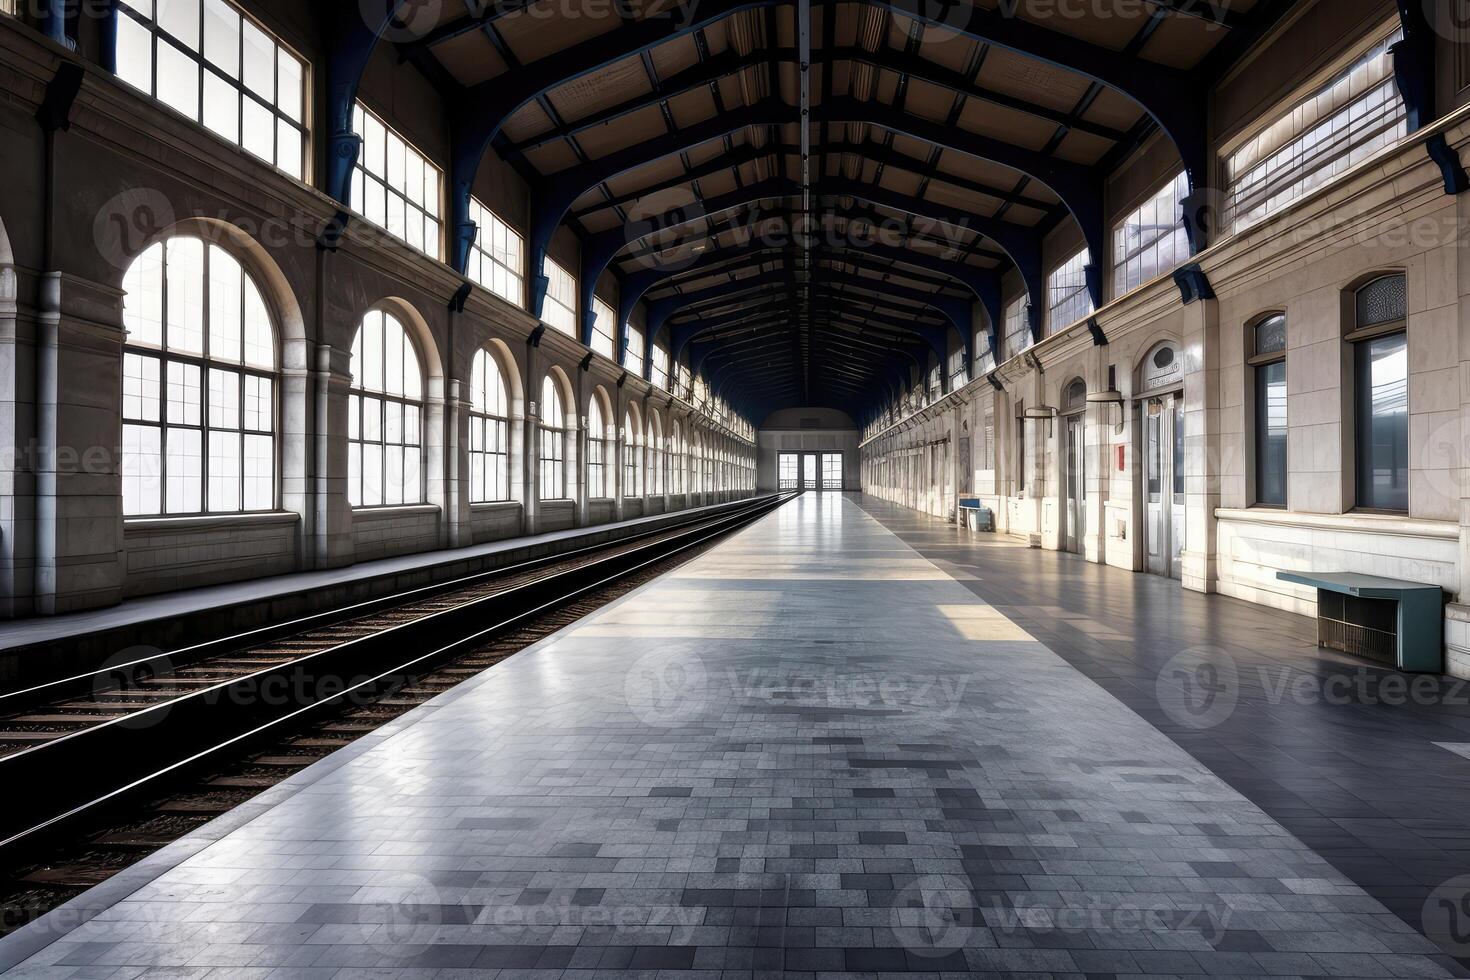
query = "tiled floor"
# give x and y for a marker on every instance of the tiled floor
(1370, 767)
(811, 751)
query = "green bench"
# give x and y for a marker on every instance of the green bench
(1395, 622)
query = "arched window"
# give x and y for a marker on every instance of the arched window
(632, 458)
(199, 389)
(385, 415)
(596, 451)
(489, 432)
(553, 443)
(676, 463)
(1268, 361)
(1381, 393)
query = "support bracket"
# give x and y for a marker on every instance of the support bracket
(1099, 339)
(61, 94)
(1193, 283)
(460, 297)
(332, 233)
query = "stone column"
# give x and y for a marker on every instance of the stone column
(1202, 443)
(331, 532)
(530, 442)
(459, 525)
(78, 500)
(17, 458)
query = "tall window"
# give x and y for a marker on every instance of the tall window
(553, 443)
(1269, 364)
(633, 356)
(199, 398)
(632, 458)
(984, 360)
(1338, 126)
(1151, 240)
(660, 370)
(1018, 328)
(384, 415)
(498, 257)
(597, 485)
(1381, 394)
(676, 458)
(203, 59)
(1067, 297)
(959, 374)
(656, 456)
(394, 185)
(604, 328)
(560, 310)
(489, 432)
(932, 385)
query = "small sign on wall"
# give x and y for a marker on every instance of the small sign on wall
(1122, 458)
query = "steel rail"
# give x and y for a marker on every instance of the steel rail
(104, 677)
(78, 773)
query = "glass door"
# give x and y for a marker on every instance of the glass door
(831, 471)
(786, 472)
(809, 471)
(1076, 482)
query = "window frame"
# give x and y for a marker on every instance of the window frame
(557, 278)
(1125, 256)
(488, 224)
(551, 467)
(204, 362)
(1362, 340)
(484, 420)
(125, 12)
(1263, 364)
(604, 328)
(1063, 297)
(431, 209)
(358, 397)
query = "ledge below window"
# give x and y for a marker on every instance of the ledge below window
(208, 522)
(390, 511)
(1352, 521)
(486, 506)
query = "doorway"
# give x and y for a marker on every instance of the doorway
(1075, 516)
(1163, 479)
(831, 471)
(788, 474)
(809, 471)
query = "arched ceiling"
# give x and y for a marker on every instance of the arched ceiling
(943, 141)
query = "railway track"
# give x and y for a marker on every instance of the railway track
(75, 747)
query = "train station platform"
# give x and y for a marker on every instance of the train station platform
(811, 750)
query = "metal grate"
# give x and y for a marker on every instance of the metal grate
(1362, 627)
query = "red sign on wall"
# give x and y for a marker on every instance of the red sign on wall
(1122, 450)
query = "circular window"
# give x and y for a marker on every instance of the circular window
(1163, 357)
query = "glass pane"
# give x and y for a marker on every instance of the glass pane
(143, 304)
(1384, 300)
(140, 388)
(178, 80)
(225, 276)
(181, 19)
(224, 471)
(259, 70)
(183, 485)
(224, 399)
(221, 107)
(1271, 434)
(1271, 335)
(134, 55)
(183, 393)
(1383, 423)
(290, 82)
(258, 130)
(260, 465)
(185, 267)
(222, 37)
(142, 468)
